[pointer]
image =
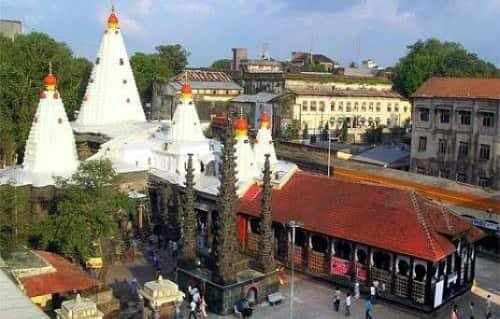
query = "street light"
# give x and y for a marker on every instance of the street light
(332, 122)
(293, 224)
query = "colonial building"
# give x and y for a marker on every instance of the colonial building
(257, 75)
(456, 131)
(306, 61)
(211, 90)
(359, 108)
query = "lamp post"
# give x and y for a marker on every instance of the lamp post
(293, 225)
(332, 122)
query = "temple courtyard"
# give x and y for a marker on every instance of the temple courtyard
(313, 297)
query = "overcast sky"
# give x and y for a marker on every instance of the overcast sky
(349, 30)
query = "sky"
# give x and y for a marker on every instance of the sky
(344, 30)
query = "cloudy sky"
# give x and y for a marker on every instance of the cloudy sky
(345, 30)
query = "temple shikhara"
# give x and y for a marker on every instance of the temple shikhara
(228, 202)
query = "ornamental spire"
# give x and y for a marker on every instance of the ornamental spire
(189, 234)
(112, 19)
(265, 257)
(50, 81)
(224, 245)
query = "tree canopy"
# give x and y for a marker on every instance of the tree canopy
(87, 208)
(24, 62)
(436, 58)
(16, 225)
(222, 64)
(165, 62)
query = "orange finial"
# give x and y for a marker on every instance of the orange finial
(113, 19)
(241, 126)
(264, 120)
(50, 81)
(186, 88)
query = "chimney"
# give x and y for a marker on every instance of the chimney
(238, 55)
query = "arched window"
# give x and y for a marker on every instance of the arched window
(420, 271)
(403, 267)
(319, 243)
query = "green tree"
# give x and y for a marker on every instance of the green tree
(436, 58)
(15, 222)
(291, 131)
(325, 131)
(353, 64)
(164, 63)
(23, 65)
(87, 210)
(222, 64)
(344, 132)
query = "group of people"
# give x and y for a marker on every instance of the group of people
(472, 312)
(346, 308)
(197, 303)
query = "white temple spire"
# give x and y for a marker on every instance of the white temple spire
(245, 159)
(111, 95)
(50, 148)
(264, 142)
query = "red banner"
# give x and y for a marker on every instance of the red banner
(361, 273)
(340, 266)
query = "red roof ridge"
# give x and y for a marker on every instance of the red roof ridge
(423, 221)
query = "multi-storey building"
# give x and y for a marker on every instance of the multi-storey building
(456, 133)
(362, 103)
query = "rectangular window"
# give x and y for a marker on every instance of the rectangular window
(424, 114)
(332, 107)
(389, 109)
(405, 109)
(321, 106)
(442, 146)
(484, 152)
(464, 117)
(377, 107)
(313, 106)
(463, 149)
(304, 106)
(396, 108)
(484, 181)
(370, 106)
(444, 116)
(422, 144)
(488, 119)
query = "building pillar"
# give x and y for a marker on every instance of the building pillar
(446, 275)
(428, 285)
(393, 273)
(410, 279)
(473, 263)
(369, 266)
(353, 261)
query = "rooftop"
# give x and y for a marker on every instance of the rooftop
(394, 219)
(66, 277)
(348, 93)
(261, 97)
(327, 77)
(462, 88)
(202, 75)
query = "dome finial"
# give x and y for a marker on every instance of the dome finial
(50, 81)
(113, 19)
(186, 91)
(50, 67)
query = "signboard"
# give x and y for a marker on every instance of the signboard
(361, 273)
(438, 293)
(95, 262)
(340, 266)
(485, 224)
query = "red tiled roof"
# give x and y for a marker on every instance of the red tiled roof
(394, 219)
(466, 88)
(219, 120)
(67, 277)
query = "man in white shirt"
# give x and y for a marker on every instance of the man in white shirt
(348, 305)
(373, 293)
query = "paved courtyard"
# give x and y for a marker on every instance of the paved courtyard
(313, 298)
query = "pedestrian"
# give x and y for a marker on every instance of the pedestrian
(347, 305)
(357, 294)
(489, 315)
(336, 301)
(203, 307)
(373, 293)
(192, 310)
(282, 275)
(368, 309)
(170, 247)
(454, 313)
(471, 310)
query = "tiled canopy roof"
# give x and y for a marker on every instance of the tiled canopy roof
(393, 219)
(67, 277)
(465, 88)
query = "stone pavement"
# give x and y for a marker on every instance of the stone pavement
(313, 298)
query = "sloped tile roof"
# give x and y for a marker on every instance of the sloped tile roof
(393, 219)
(465, 88)
(67, 277)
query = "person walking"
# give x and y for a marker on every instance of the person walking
(373, 293)
(489, 315)
(192, 310)
(175, 248)
(454, 313)
(203, 307)
(347, 305)
(368, 309)
(357, 293)
(336, 301)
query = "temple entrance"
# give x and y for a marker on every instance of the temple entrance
(280, 237)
